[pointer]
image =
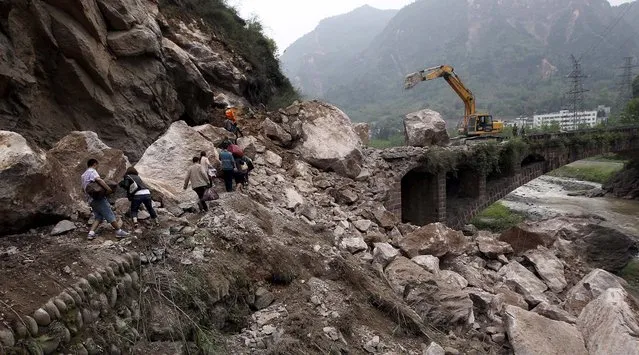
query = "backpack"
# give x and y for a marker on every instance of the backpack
(226, 159)
(95, 190)
(236, 150)
(248, 162)
(242, 167)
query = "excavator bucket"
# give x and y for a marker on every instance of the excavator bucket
(412, 80)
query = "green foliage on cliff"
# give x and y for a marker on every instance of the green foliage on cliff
(247, 38)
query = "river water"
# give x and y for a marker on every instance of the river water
(548, 197)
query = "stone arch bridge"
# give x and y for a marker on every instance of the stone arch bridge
(426, 190)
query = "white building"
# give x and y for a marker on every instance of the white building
(567, 120)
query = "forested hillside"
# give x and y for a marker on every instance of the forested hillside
(514, 55)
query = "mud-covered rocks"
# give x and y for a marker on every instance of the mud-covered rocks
(610, 324)
(384, 253)
(589, 288)
(441, 306)
(606, 248)
(527, 236)
(63, 227)
(32, 190)
(434, 239)
(403, 272)
(354, 245)
(530, 333)
(524, 282)
(75, 149)
(549, 267)
(425, 128)
(276, 133)
(492, 247)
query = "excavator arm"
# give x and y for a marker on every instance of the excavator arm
(448, 73)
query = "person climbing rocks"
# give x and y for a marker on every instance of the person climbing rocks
(231, 123)
(139, 194)
(243, 167)
(210, 169)
(199, 180)
(97, 200)
(228, 166)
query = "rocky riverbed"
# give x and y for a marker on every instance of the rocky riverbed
(551, 197)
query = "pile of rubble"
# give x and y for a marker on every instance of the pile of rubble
(314, 209)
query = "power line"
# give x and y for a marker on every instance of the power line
(608, 30)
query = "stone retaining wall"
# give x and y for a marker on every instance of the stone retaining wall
(110, 294)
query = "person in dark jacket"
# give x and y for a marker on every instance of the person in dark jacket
(138, 193)
(243, 165)
(228, 167)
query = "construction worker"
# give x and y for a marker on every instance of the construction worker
(231, 122)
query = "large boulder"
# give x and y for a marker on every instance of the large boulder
(73, 152)
(163, 166)
(275, 132)
(440, 306)
(610, 324)
(530, 333)
(492, 247)
(605, 248)
(626, 183)
(329, 141)
(527, 236)
(589, 288)
(434, 239)
(363, 130)
(425, 128)
(32, 190)
(549, 267)
(402, 273)
(524, 282)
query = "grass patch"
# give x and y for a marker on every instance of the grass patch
(608, 157)
(595, 173)
(392, 141)
(497, 218)
(631, 274)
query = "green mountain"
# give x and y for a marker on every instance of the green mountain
(514, 55)
(317, 59)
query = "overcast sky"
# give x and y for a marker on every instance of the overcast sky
(287, 20)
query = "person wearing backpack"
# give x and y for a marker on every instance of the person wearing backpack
(199, 180)
(96, 190)
(138, 194)
(228, 167)
(244, 165)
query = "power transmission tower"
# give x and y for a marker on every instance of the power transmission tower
(576, 93)
(625, 84)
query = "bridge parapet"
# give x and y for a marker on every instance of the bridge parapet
(466, 180)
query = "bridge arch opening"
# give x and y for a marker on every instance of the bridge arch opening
(420, 197)
(532, 159)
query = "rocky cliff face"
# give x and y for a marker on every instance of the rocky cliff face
(120, 68)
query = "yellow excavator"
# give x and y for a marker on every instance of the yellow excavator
(474, 124)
